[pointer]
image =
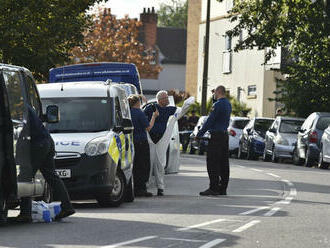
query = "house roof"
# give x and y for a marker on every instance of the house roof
(172, 43)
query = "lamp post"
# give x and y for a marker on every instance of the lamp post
(206, 58)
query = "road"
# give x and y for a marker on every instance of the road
(268, 205)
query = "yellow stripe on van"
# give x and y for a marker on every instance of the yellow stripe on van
(114, 150)
(123, 151)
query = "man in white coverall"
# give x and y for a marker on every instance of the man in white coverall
(160, 134)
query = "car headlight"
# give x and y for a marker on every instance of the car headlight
(281, 141)
(98, 146)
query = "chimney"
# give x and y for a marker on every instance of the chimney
(149, 27)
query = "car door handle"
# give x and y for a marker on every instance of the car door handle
(173, 139)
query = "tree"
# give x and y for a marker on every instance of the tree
(302, 28)
(174, 14)
(115, 40)
(39, 34)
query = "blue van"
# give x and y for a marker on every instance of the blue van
(100, 71)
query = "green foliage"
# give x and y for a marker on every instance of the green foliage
(238, 108)
(174, 14)
(39, 34)
(303, 29)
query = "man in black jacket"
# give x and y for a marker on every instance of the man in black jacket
(42, 158)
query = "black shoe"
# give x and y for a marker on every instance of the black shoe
(64, 213)
(160, 192)
(209, 192)
(23, 218)
(222, 192)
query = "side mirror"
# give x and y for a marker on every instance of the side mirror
(248, 130)
(127, 126)
(52, 114)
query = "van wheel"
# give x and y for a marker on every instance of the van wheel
(117, 195)
(296, 159)
(129, 191)
(322, 164)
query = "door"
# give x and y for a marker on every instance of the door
(21, 133)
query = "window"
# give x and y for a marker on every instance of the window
(15, 94)
(34, 98)
(252, 90)
(118, 114)
(229, 5)
(226, 56)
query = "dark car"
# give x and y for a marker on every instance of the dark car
(18, 93)
(252, 141)
(307, 148)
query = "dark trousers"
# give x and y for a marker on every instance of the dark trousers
(184, 140)
(218, 161)
(141, 168)
(42, 158)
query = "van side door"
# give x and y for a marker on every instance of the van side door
(21, 134)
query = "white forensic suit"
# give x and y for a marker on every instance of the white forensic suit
(158, 151)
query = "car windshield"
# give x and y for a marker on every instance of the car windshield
(240, 124)
(290, 126)
(80, 114)
(261, 126)
(323, 123)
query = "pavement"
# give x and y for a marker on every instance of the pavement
(268, 205)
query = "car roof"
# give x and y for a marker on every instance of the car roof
(264, 118)
(14, 67)
(239, 118)
(74, 89)
(322, 113)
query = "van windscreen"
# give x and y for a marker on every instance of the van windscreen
(79, 115)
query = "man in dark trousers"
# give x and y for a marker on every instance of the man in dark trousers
(217, 153)
(42, 158)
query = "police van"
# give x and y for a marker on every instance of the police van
(17, 92)
(93, 140)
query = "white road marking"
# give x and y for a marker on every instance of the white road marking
(273, 175)
(272, 212)
(241, 166)
(293, 192)
(287, 200)
(257, 170)
(246, 226)
(253, 210)
(187, 240)
(287, 182)
(200, 225)
(212, 243)
(130, 242)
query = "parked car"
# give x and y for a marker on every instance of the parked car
(17, 91)
(324, 158)
(281, 138)
(173, 150)
(199, 145)
(235, 129)
(252, 141)
(307, 148)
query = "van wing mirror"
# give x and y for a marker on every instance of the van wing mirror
(127, 126)
(52, 114)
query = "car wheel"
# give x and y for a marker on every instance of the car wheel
(322, 164)
(296, 159)
(274, 157)
(265, 156)
(308, 161)
(240, 153)
(129, 191)
(116, 197)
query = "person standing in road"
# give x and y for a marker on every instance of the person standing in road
(217, 153)
(156, 133)
(192, 120)
(141, 168)
(42, 158)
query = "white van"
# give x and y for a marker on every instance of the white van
(93, 140)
